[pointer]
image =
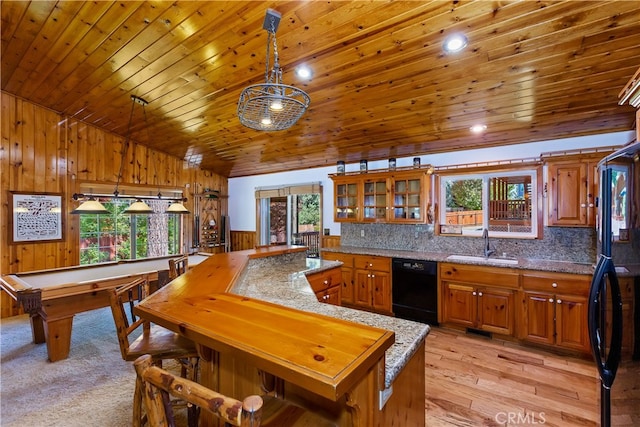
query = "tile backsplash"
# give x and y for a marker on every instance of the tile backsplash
(571, 244)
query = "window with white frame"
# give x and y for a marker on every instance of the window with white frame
(505, 203)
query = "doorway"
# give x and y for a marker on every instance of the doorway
(290, 216)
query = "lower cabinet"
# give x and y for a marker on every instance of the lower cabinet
(554, 310)
(468, 301)
(628, 331)
(365, 281)
(347, 292)
(327, 285)
(372, 283)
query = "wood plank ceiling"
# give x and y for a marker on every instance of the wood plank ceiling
(381, 85)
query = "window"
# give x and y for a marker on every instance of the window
(118, 236)
(504, 203)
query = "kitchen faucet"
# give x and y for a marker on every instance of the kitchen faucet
(487, 248)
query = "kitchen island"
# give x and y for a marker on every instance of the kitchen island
(260, 329)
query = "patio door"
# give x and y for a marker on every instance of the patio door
(290, 215)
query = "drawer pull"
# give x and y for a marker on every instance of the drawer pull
(326, 282)
(554, 285)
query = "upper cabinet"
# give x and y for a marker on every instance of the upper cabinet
(572, 189)
(346, 194)
(385, 196)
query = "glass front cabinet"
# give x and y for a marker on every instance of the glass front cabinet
(346, 201)
(386, 196)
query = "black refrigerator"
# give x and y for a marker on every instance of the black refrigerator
(605, 314)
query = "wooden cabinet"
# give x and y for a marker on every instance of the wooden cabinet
(388, 196)
(347, 283)
(365, 281)
(408, 198)
(372, 283)
(572, 190)
(375, 199)
(327, 285)
(209, 206)
(538, 307)
(346, 200)
(479, 297)
(628, 330)
(554, 310)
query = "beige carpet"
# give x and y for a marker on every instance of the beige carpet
(93, 387)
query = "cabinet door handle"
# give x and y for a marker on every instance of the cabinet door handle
(550, 299)
(479, 294)
(326, 282)
(554, 285)
(373, 275)
(474, 293)
(590, 205)
(583, 205)
(559, 301)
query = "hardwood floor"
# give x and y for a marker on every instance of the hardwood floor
(475, 381)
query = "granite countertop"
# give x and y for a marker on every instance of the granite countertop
(282, 280)
(522, 263)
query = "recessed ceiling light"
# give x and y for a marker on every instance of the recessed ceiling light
(478, 128)
(303, 72)
(454, 43)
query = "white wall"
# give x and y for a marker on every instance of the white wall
(242, 203)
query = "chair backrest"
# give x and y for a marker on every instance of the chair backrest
(159, 384)
(178, 266)
(122, 300)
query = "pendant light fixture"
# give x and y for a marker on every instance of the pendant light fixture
(138, 207)
(176, 208)
(91, 206)
(271, 105)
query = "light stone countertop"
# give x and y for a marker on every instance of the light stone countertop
(281, 280)
(523, 263)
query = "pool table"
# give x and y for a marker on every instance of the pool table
(53, 297)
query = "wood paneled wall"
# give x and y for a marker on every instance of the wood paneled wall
(241, 240)
(43, 151)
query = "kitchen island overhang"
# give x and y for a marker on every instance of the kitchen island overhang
(335, 364)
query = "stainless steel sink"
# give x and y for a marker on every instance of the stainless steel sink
(483, 260)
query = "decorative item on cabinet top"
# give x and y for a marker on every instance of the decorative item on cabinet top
(428, 169)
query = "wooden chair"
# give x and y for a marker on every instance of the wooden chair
(178, 266)
(255, 411)
(156, 341)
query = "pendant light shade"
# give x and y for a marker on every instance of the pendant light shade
(91, 206)
(176, 208)
(138, 208)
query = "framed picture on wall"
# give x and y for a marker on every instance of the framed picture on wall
(36, 217)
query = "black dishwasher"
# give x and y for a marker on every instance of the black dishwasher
(415, 290)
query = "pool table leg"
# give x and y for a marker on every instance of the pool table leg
(37, 328)
(58, 337)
